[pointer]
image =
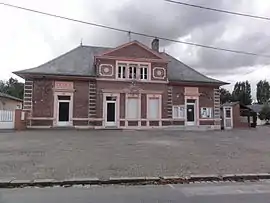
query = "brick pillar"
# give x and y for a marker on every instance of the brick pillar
(20, 119)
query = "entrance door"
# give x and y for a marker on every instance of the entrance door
(110, 111)
(63, 111)
(190, 114)
(228, 120)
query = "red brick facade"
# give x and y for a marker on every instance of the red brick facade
(85, 101)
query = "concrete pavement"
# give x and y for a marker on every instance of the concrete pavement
(195, 193)
(68, 154)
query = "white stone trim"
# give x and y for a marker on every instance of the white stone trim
(56, 104)
(159, 77)
(103, 64)
(40, 118)
(196, 110)
(39, 127)
(117, 108)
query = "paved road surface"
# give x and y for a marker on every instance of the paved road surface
(195, 193)
(64, 154)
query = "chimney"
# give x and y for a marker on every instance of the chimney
(155, 44)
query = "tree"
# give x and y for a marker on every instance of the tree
(12, 87)
(263, 91)
(265, 113)
(225, 96)
(242, 93)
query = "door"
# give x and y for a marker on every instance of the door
(190, 114)
(228, 119)
(110, 113)
(63, 113)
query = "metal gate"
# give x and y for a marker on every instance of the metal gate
(7, 119)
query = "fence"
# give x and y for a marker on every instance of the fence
(7, 119)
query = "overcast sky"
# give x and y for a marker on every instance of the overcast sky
(28, 40)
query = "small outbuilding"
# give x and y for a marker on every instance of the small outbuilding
(236, 115)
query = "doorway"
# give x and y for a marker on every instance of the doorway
(191, 112)
(63, 118)
(110, 112)
(228, 118)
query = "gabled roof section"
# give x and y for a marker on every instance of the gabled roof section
(77, 62)
(133, 49)
(80, 62)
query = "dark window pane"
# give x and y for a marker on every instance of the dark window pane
(190, 113)
(63, 97)
(228, 113)
(134, 72)
(191, 100)
(110, 112)
(111, 98)
(124, 72)
(119, 71)
(63, 111)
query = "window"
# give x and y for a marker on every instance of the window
(133, 110)
(178, 112)
(154, 108)
(144, 72)
(122, 71)
(228, 112)
(132, 71)
(206, 112)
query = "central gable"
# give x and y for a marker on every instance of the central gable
(133, 50)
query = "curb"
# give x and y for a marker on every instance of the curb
(15, 183)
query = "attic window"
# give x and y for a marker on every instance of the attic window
(144, 72)
(122, 71)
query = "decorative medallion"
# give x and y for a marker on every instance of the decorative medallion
(159, 72)
(106, 70)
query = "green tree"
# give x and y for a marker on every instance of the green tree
(263, 91)
(12, 87)
(225, 96)
(265, 113)
(242, 93)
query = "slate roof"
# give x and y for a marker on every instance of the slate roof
(10, 97)
(79, 62)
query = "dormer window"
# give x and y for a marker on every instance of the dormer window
(134, 70)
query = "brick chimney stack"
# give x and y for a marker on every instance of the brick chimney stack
(155, 44)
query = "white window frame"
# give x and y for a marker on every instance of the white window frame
(144, 71)
(123, 70)
(159, 97)
(129, 64)
(181, 110)
(138, 97)
(208, 111)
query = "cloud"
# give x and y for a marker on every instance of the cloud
(28, 39)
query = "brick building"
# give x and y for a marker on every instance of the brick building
(130, 86)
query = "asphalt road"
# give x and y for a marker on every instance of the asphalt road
(194, 193)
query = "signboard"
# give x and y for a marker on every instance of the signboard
(60, 85)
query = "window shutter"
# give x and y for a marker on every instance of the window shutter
(133, 108)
